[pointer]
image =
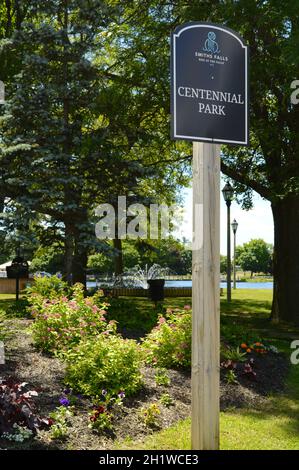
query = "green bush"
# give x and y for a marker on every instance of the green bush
(105, 362)
(47, 288)
(61, 323)
(132, 316)
(19, 309)
(169, 343)
(233, 334)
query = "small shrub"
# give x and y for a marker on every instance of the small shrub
(166, 400)
(60, 420)
(19, 434)
(60, 323)
(101, 417)
(233, 354)
(169, 343)
(150, 415)
(17, 409)
(231, 377)
(104, 362)
(162, 378)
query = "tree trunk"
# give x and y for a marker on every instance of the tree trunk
(286, 260)
(79, 264)
(118, 263)
(68, 252)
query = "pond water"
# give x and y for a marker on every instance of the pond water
(188, 283)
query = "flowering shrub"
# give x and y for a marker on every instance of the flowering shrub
(61, 323)
(17, 410)
(169, 343)
(104, 362)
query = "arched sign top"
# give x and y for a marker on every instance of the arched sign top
(209, 84)
(195, 24)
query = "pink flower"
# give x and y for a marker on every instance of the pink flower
(162, 320)
(95, 309)
(187, 307)
(73, 305)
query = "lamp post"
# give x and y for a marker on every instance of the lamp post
(228, 193)
(234, 227)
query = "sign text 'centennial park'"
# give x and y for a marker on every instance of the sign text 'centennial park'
(209, 73)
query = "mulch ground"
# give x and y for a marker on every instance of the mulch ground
(45, 375)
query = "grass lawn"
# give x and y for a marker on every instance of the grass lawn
(275, 426)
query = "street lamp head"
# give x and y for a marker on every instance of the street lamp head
(234, 225)
(228, 193)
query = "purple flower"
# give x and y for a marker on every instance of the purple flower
(67, 391)
(64, 401)
(121, 394)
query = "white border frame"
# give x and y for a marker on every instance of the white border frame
(208, 139)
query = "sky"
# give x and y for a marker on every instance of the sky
(255, 223)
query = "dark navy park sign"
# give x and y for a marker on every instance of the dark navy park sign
(209, 73)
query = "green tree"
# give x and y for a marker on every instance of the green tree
(223, 264)
(81, 125)
(255, 256)
(104, 262)
(49, 259)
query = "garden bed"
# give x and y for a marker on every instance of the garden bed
(45, 374)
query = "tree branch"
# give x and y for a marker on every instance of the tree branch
(243, 179)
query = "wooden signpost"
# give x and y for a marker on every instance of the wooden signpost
(209, 75)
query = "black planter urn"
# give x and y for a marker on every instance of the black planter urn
(156, 289)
